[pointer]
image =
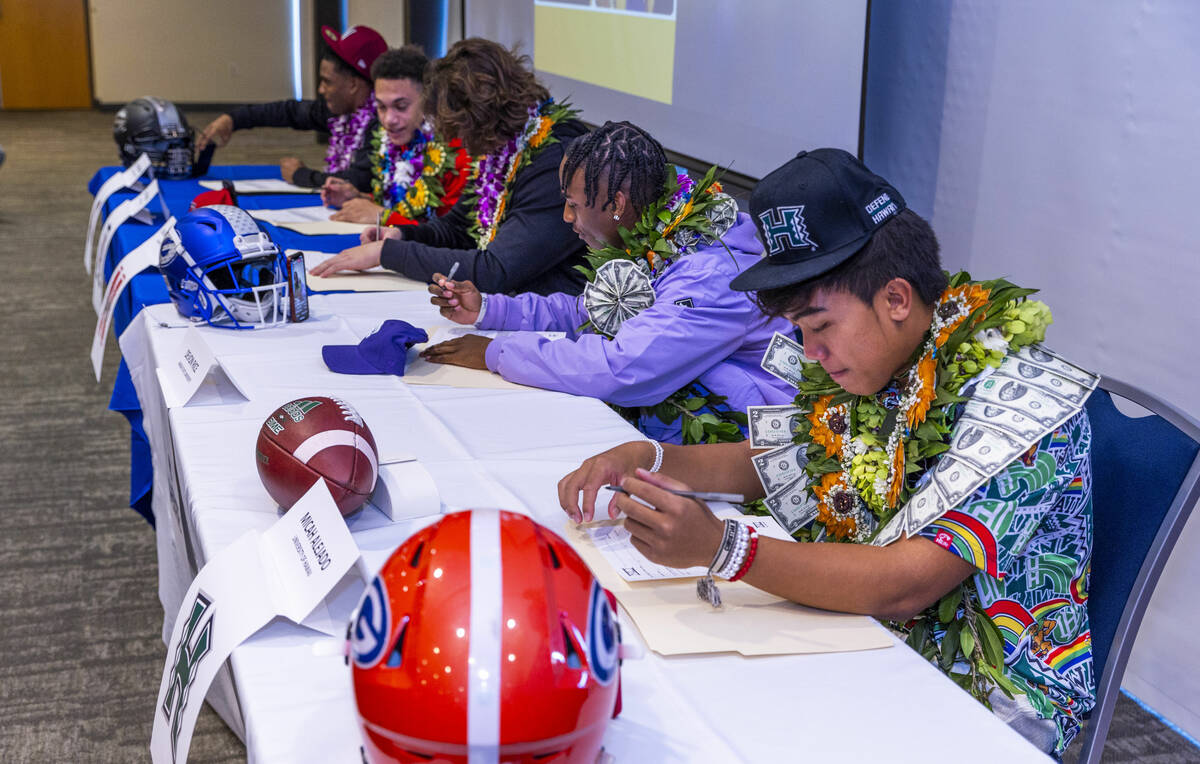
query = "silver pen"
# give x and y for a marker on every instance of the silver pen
(453, 270)
(732, 498)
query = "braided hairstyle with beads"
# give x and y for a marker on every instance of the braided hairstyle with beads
(617, 153)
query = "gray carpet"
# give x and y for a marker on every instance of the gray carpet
(80, 653)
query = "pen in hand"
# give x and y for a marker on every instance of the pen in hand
(453, 270)
(732, 498)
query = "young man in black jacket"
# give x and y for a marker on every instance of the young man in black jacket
(507, 232)
(345, 108)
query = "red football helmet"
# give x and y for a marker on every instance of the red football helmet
(485, 634)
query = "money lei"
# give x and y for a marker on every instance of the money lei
(686, 214)
(862, 449)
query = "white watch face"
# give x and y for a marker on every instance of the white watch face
(619, 292)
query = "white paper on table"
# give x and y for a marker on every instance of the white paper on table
(124, 179)
(377, 279)
(418, 371)
(260, 186)
(612, 541)
(144, 256)
(285, 571)
(405, 490)
(323, 227)
(674, 621)
(123, 212)
(311, 214)
(190, 365)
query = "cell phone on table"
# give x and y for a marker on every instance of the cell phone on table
(298, 293)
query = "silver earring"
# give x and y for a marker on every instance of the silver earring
(616, 216)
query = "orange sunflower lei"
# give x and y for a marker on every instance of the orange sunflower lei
(861, 448)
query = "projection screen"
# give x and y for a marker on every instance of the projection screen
(741, 83)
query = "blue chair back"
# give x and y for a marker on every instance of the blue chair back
(1145, 481)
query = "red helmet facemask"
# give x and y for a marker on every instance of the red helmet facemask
(485, 633)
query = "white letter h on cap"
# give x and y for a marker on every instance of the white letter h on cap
(784, 228)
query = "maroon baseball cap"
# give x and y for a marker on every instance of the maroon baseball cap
(358, 47)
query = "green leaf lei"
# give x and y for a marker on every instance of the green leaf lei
(425, 192)
(866, 453)
(670, 228)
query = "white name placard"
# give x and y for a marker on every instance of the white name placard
(126, 178)
(143, 257)
(123, 212)
(285, 571)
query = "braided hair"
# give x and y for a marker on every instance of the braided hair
(619, 153)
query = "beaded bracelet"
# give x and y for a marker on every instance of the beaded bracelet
(745, 567)
(738, 555)
(658, 455)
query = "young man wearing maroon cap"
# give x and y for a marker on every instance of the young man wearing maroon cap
(346, 108)
(931, 434)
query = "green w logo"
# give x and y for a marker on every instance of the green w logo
(783, 228)
(193, 646)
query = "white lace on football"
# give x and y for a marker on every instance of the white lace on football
(348, 412)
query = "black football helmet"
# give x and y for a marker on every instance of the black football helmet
(155, 126)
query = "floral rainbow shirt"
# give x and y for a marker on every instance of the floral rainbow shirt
(1029, 532)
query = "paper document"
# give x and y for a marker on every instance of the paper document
(377, 279)
(612, 540)
(312, 213)
(673, 620)
(418, 371)
(325, 227)
(260, 186)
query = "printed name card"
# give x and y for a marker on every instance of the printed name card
(143, 257)
(127, 178)
(124, 211)
(293, 566)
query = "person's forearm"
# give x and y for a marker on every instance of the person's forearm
(723, 467)
(893, 583)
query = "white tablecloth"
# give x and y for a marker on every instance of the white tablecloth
(287, 690)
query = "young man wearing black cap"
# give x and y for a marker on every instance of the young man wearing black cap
(346, 108)
(931, 433)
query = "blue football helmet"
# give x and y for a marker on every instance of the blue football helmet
(221, 268)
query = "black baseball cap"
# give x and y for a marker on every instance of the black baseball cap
(813, 214)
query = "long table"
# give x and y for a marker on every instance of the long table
(148, 288)
(287, 690)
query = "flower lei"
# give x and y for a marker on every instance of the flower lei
(863, 449)
(407, 179)
(346, 133)
(687, 214)
(493, 174)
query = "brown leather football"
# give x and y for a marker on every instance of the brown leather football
(317, 437)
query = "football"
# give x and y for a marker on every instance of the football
(317, 437)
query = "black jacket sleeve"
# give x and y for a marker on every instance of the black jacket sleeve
(359, 172)
(299, 115)
(307, 177)
(533, 250)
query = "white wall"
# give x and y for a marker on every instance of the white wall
(1055, 144)
(384, 16)
(216, 51)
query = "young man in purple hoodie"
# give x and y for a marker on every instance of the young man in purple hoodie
(657, 332)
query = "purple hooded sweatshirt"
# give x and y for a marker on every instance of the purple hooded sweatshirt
(697, 328)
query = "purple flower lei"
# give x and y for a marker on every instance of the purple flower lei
(683, 193)
(346, 134)
(491, 171)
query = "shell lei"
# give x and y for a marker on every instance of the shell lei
(407, 179)
(620, 285)
(862, 450)
(346, 134)
(492, 174)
